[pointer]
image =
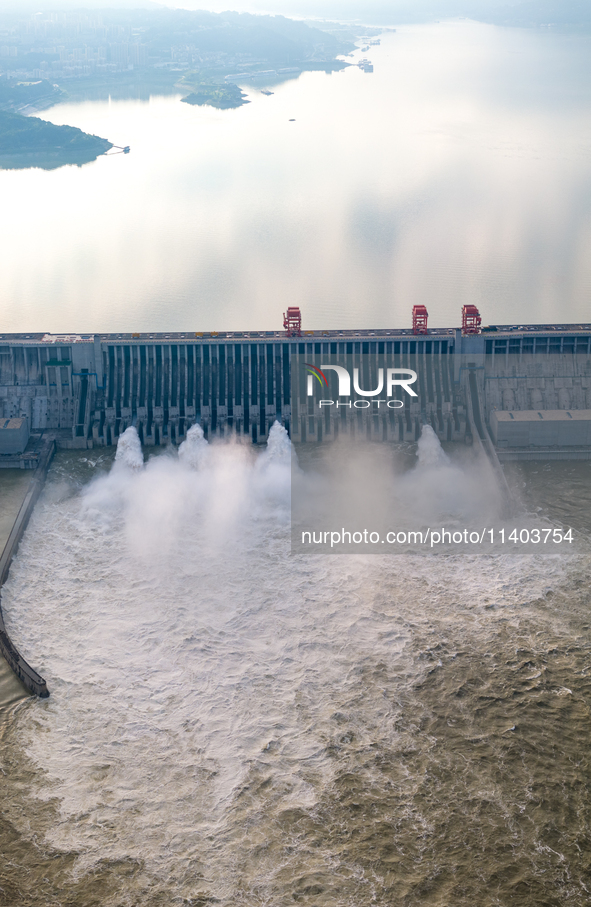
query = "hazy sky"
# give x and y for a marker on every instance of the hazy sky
(375, 10)
(345, 9)
(370, 11)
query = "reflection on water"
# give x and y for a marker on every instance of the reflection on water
(231, 724)
(458, 171)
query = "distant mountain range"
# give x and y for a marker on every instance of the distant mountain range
(377, 12)
(373, 12)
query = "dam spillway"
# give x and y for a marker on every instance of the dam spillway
(88, 388)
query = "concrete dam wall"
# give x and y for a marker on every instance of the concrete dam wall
(90, 388)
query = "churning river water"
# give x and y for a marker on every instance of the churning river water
(232, 724)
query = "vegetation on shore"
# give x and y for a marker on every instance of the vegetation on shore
(39, 94)
(26, 141)
(206, 90)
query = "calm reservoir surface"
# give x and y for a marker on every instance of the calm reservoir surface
(459, 171)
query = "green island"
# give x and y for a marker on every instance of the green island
(205, 90)
(31, 142)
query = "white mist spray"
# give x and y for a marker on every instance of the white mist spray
(194, 451)
(129, 450)
(429, 450)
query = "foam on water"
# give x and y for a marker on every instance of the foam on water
(231, 722)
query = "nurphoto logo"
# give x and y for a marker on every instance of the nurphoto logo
(395, 377)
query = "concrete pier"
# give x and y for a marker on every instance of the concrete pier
(14, 484)
(30, 679)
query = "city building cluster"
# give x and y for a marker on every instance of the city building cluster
(55, 46)
(68, 45)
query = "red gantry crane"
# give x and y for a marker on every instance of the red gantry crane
(292, 322)
(419, 319)
(471, 320)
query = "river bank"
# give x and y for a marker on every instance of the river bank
(14, 484)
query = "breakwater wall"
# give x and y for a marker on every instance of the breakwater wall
(90, 388)
(26, 674)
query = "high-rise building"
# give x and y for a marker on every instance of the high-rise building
(138, 54)
(120, 54)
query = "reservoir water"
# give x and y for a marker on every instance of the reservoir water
(229, 723)
(459, 171)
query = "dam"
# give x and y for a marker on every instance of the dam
(516, 391)
(86, 389)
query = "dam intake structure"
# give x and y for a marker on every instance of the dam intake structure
(471, 383)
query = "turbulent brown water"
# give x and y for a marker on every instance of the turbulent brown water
(232, 724)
